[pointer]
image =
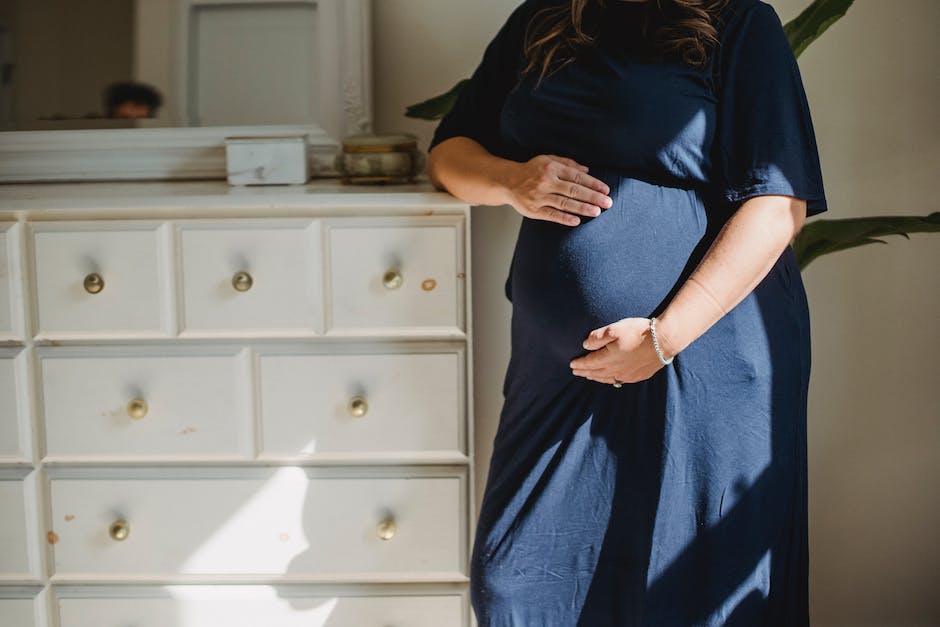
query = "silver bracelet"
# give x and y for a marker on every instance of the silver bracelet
(656, 347)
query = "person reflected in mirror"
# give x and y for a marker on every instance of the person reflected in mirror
(131, 100)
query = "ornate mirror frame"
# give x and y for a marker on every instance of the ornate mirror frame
(344, 44)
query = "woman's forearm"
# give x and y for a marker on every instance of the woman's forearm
(467, 170)
(742, 254)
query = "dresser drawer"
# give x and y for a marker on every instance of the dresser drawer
(7, 282)
(12, 441)
(251, 275)
(392, 404)
(100, 279)
(14, 538)
(124, 405)
(256, 606)
(397, 276)
(18, 612)
(284, 524)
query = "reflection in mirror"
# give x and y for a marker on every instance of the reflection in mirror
(91, 64)
(58, 57)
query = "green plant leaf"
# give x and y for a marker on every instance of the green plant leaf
(438, 106)
(821, 237)
(815, 19)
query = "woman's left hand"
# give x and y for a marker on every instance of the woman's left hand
(621, 352)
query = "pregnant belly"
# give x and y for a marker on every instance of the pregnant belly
(566, 281)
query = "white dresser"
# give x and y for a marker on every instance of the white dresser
(238, 407)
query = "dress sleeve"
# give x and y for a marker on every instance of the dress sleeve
(477, 110)
(765, 139)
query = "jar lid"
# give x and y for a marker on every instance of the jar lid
(384, 142)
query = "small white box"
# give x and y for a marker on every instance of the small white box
(268, 160)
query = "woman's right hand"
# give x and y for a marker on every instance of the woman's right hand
(556, 189)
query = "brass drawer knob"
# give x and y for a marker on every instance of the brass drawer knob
(392, 280)
(119, 530)
(137, 408)
(386, 529)
(242, 281)
(93, 283)
(358, 407)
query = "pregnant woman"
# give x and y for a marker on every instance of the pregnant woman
(650, 462)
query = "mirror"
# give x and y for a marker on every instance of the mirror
(108, 64)
(95, 90)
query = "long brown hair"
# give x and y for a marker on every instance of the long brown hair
(678, 29)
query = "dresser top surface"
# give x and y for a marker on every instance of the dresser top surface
(208, 195)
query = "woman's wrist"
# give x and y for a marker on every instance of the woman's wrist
(665, 358)
(667, 336)
(504, 177)
(690, 314)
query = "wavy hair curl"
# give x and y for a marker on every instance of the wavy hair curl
(684, 30)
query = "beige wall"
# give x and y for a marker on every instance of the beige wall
(875, 397)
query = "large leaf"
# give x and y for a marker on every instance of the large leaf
(437, 107)
(815, 19)
(820, 237)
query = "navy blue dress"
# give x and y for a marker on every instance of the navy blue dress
(681, 500)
